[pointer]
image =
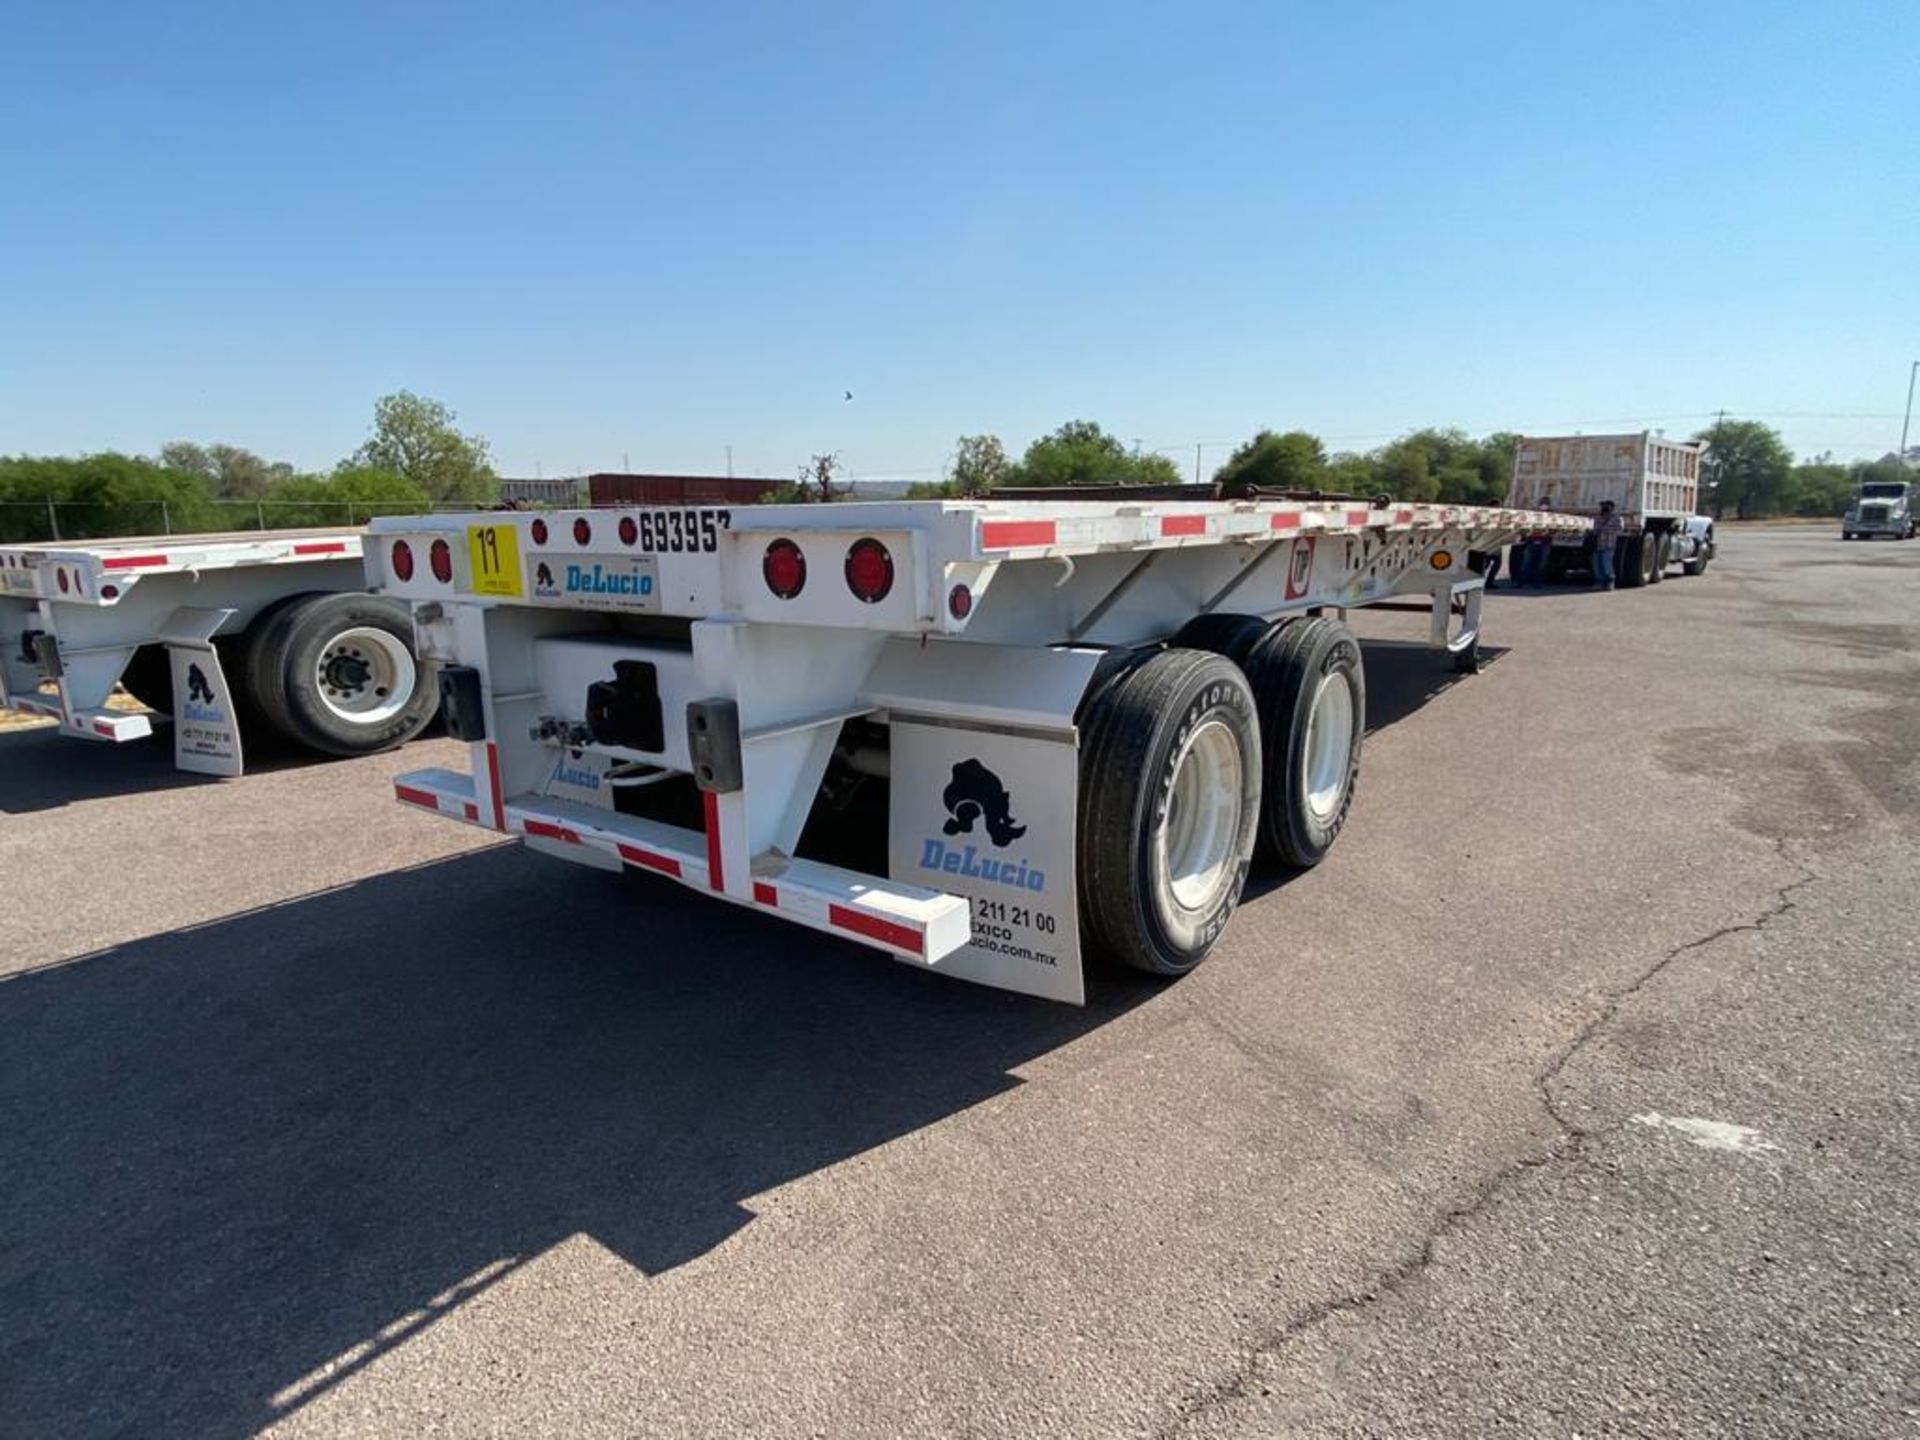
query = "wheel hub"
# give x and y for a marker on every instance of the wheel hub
(1197, 838)
(1327, 755)
(365, 675)
(346, 672)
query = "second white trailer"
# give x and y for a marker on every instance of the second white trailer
(228, 637)
(989, 739)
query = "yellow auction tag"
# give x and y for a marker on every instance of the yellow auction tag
(495, 553)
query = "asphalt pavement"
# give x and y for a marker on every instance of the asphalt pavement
(1573, 1095)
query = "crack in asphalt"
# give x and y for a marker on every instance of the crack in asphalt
(1568, 1146)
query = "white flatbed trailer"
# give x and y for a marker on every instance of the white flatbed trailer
(228, 634)
(980, 737)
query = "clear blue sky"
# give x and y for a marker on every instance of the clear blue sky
(657, 230)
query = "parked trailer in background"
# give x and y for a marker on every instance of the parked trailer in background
(985, 738)
(1653, 482)
(231, 636)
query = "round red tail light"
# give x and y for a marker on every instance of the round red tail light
(582, 531)
(402, 561)
(960, 602)
(869, 571)
(539, 531)
(629, 530)
(64, 582)
(440, 557)
(785, 569)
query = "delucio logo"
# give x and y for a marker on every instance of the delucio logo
(200, 704)
(976, 796)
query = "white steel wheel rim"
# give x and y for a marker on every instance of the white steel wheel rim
(364, 675)
(1328, 752)
(1194, 852)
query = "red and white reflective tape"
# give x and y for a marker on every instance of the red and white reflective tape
(428, 800)
(649, 859)
(863, 923)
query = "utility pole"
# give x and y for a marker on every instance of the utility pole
(1915, 370)
(1196, 462)
(729, 462)
(1719, 419)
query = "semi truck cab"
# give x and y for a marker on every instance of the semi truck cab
(1882, 507)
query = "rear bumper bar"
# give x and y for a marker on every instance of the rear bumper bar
(908, 922)
(109, 725)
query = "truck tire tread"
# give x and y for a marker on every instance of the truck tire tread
(1130, 734)
(1284, 670)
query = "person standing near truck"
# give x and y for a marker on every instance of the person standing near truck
(1530, 555)
(1606, 535)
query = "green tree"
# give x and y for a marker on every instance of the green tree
(415, 438)
(1081, 453)
(1495, 464)
(229, 471)
(979, 463)
(1349, 473)
(93, 496)
(1293, 461)
(1887, 467)
(1818, 488)
(1745, 469)
(818, 482)
(349, 496)
(1404, 470)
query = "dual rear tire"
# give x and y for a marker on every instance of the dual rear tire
(1241, 739)
(335, 673)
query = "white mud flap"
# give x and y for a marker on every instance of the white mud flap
(989, 815)
(206, 733)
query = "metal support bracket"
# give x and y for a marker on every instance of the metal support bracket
(1112, 597)
(1245, 573)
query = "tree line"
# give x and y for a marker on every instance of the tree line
(1752, 475)
(1748, 471)
(413, 459)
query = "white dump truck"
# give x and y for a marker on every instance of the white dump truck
(229, 636)
(1653, 482)
(986, 738)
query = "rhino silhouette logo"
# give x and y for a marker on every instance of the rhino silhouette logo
(197, 686)
(975, 793)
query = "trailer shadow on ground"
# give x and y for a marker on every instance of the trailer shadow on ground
(246, 1159)
(1404, 675)
(239, 1152)
(41, 769)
